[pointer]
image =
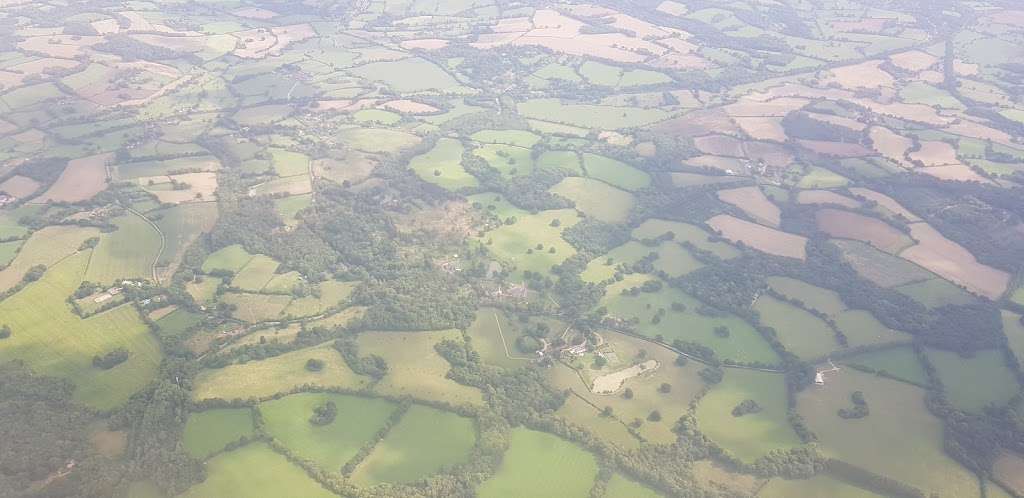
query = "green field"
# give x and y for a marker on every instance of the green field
(1014, 330)
(897, 413)
(899, 362)
(443, 166)
(53, 341)
(596, 199)
(588, 115)
(883, 269)
(861, 328)
(564, 160)
(424, 441)
(802, 333)
(516, 243)
(8, 250)
(605, 75)
(288, 163)
(254, 308)
(814, 297)
(615, 172)
(486, 339)
(818, 487)
(261, 378)
(377, 140)
(256, 273)
(972, 383)
(414, 367)
(45, 247)
(743, 343)
(539, 465)
(936, 292)
(377, 116)
(130, 252)
(753, 435)
(181, 225)
(407, 75)
(210, 431)
(255, 471)
(821, 178)
(518, 138)
(289, 207)
(685, 232)
(510, 160)
(262, 115)
(329, 446)
(332, 293)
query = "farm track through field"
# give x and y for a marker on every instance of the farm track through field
(504, 343)
(163, 244)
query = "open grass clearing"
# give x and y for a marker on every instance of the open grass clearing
(900, 362)
(425, 441)
(589, 115)
(622, 487)
(516, 243)
(565, 160)
(615, 172)
(540, 465)
(493, 335)
(332, 445)
(262, 378)
(685, 233)
(442, 165)
(408, 75)
(755, 434)
(45, 247)
(254, 308)
(936, 292)
(256, 273)
(230, 258)
(518, 138)
(510, 160)
(820, 486)
(209, 431)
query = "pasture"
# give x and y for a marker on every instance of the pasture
(130, 252)
(518, 138)
(261, 378)
(818, 486)
(209, 431)
(755, 434)
(231, 258)
(52, 340)
(1013, 327)
(256, 273)
(885, 270)
(409, 75)
(623, 487)
(510, 160)
(414, 367)
(898, 413)
(596, 199)
(802, 333)
(540, 465)
(182, 225)
(493, 335)
(564, 160)
(589, 115)
(935, 292)
(442, 165)
(742, 344)
(615, 172)
(516, 243)
(425, 441)
(254, 308)
(684, 232)
(900, 362)
(814, 297)
(255, 471)
(332, 445)
(45, 247)
(971, 383)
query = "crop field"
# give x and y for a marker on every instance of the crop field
(881, 268)
(974, 382)
(261, 378)
(231, 474)
(414, 367)
(516, 243)
(897, 413)
(53, 341)
(759, 237)
(443, 166)
(130, 252)
(753, 202)
(950, 260)
(208, 432)
(802, 333)
(615, 172)
(231, 258)
(539, 465)
(752, 435)
(330, 446)
(423, 442)
(848, 225)
(596, 199)
(743, 343)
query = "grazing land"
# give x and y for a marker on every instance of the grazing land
(537, 464)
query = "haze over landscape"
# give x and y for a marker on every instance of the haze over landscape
(492, 248)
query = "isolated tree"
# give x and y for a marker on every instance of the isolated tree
(665, 388)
